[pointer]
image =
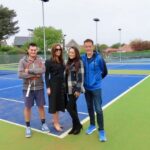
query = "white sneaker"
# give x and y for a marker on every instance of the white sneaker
(45, 128)
(28, 132)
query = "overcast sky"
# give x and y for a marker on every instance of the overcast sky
(75, 18)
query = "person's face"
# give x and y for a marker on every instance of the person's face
(32, 51)
(58, 51)
(71, 53)
(89, 47)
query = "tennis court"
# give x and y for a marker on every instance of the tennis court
(115, 87)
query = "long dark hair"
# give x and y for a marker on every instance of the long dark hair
(54, 57)
(76, 60)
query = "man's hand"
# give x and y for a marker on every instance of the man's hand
(26, 70)
(38, 75)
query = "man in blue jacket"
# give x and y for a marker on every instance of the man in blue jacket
(95, 70)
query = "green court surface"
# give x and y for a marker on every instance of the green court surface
(12, 66)
(133, 72)
(127, 125)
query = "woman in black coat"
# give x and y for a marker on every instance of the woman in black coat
(54, 77)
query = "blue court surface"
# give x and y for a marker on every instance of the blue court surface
(12, 105)
(127, 66)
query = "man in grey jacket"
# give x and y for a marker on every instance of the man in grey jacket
(31, 68)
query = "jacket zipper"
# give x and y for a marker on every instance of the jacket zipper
(88, 71)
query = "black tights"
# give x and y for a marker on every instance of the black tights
(72, 109)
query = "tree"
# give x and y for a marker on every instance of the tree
(52, 36)
(116, 45)
(140, 45)
(103, 47)
(7, 24)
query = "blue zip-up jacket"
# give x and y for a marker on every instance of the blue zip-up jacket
(95, 70)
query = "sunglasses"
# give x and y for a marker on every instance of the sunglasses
(58, 49)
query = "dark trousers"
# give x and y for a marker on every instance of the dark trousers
(72, 109)
(94, 99)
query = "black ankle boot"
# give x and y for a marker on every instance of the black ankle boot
(71, 131)
(78, 129)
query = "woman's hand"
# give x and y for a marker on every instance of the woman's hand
(48, 91)
(77, 94)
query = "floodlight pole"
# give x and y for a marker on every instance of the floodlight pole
(43, 18)
(30, 31)
(64, 42)
(120, 43)
(96, 21)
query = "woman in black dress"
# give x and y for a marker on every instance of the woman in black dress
(54, 77)
(74, 80)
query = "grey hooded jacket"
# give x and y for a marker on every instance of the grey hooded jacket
(34, 76)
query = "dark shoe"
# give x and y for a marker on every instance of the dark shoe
(71, 131)
(78, 129)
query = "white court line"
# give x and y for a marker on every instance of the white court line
(11, 100)
(6, 78)
(82, 122)
(11, 87)
(59, 136)
(16, 124)
(14, 100)
(82, 113)
(21, 102)
(110, 103)
(87, 118)
(121, 95)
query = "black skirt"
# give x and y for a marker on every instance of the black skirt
(57, 96)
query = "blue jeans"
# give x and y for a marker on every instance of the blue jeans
(94, 99)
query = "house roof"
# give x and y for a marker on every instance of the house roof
(3, 42)
(72, 43)
(21, 40)
(125, 48)
(110, 50)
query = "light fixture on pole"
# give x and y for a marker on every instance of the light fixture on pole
(120, 43)
(30, 34)
(64, 43)
(43, 17)
(96, 21)
(31, 30)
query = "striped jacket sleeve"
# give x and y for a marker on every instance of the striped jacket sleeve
(80, 78)
(21, 71)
